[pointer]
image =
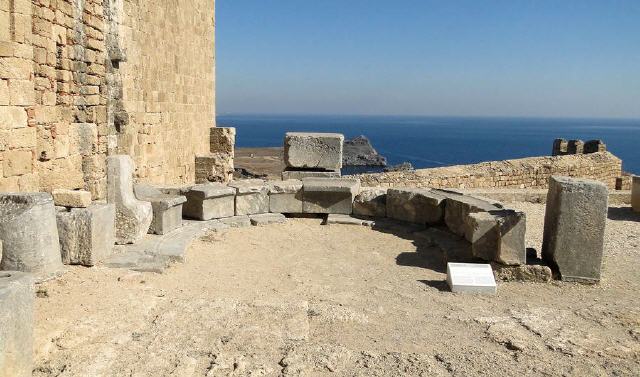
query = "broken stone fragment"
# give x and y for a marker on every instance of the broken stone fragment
(371, 201)
(167, 208)
(311, 150)
(285, 196)
(415, 205)
(29, 234)
(71, 198)
(214, 167)
(17, 295)
(236, 221)
(87, 235)
(574, 227)
(209, 201)
(498, 236)
(329, 195)
(252, 196)
(133, 216)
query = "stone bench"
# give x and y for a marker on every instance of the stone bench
(167, 208)
(285, 196)
(252, 196)
(329, 195)
(209, 201)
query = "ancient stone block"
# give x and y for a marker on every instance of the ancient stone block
(222, 140)
(498, 236)
(252, 196)
(87, 235)
(420, 206)
(371, 201)
(71, 198)
(559, 147)
(236, 221)
(214, 167)
(575, 147)
(167, 208)
(574, 227)
(17, 296)
(29, 234)
(458, 208)
(329, 195)
(133, 216)
(285, 196)
(301, 174)
(594, 146)
(209, 201)
(313, 150)
(635, 193)
(267, 219)
(471, 278)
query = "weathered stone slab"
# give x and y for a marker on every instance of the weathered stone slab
(71, 198)
(458, 208)
(498, 236)
(471, 278)
(252, 196)
(329, 195)
(311, 150)
(236, 221)
(29, 234)
(420, 206)
(635, 193)
(285, 196)
(87, 235)
(133, 216)
(574, 228)
(371, 201)
(209, 201)
(532, 273)
(167, 208)
(338, 219)
(267, 218)
(16, 324)
(301, 174)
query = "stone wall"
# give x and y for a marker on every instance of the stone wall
(533, 172)
(83, 79)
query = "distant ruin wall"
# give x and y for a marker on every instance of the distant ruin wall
(83, 79)
(533, 172)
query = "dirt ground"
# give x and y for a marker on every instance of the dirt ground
(305, 299)
(267, 161)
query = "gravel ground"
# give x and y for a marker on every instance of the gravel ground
(304, 299)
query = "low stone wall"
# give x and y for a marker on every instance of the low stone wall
(532, 172)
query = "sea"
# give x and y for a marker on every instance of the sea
(429, 141)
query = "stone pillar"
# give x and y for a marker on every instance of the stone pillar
(559, 147)
(87, 234)
(635, 193)
(29, 234)
(574, 227)
(133, 216)
(217, 166)
(16, 324)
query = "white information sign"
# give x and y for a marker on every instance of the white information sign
(471, 278)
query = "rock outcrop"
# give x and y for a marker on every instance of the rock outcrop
(360, 152)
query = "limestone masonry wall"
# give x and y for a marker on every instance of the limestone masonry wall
(83, 79)
(533, 172)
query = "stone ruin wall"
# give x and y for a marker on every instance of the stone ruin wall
(533, 172)
(83, 79)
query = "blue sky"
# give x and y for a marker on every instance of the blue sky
(568, 58)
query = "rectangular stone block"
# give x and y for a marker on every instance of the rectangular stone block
(209, 201)
(311, 150)
(301, 174)
(635, 193)
(285, 196)
(87, 235)
(471, 278)
(71, 198)
(252, 196)
(371, 202)
(458, 207)
(17, 296)
(329, 195)
(167, 208)
(498, 236)
(574, 226)
(420, 206)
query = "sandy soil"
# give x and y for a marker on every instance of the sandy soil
(304, 299)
